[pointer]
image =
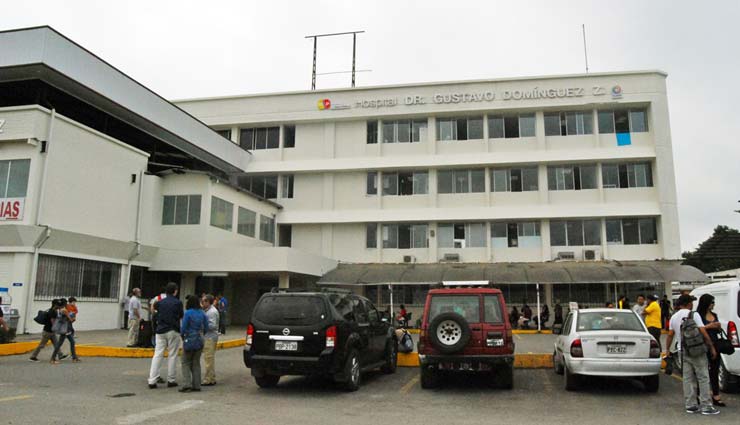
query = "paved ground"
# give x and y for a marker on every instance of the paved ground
(118, 337)
(113, 391)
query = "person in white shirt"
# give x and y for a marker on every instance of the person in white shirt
(639, 307)
(134, 317)
(211, 340)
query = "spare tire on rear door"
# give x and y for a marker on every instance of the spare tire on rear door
(449, 333)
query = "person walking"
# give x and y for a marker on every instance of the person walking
(72, 311)
(134, 317)
(714, 329)
(211, 340)
(223, 307)
(47, 334)
(687, 324)
(651, 314)
(124, 304)
(665, 311)
(61, 328)
(169, 313)
(194, 326)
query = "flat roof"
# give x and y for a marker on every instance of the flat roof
(45, 54)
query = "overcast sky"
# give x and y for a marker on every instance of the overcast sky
(184, 49)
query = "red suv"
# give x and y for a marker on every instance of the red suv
(466, 330)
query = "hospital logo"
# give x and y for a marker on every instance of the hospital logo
(324, 104)
(617, 92)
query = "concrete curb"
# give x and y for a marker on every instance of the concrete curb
(514, 331)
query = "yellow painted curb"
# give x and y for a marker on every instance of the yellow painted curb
(521, 361)
(17, 348)
(515, 331)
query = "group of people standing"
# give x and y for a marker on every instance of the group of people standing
(58, 322)
(197, 328)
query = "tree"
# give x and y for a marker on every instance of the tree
(720, 252)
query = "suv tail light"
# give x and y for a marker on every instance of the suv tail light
(250, 334)
(422, 337)
(331, 336)
(732, 334)
(654, 349)
(576, 349)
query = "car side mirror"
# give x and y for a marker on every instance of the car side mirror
(557, 329)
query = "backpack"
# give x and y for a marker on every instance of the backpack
(407, 343)
(692, 340)
(40, 317)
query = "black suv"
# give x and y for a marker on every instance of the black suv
(329, 333)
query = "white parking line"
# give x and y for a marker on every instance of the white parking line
(138, 418)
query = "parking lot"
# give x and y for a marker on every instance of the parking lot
(114, 391)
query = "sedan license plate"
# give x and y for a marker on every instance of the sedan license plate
(616, 349)
(286, 345)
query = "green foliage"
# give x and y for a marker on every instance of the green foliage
(702, 257)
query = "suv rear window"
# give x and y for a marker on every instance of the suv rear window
(609, 321)
(468, 306)
(300, 310)
(492, 309)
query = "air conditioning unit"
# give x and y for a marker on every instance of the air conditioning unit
(409, 259)
(566, 255)
(459, 243)
(452, 257)
(592, 254)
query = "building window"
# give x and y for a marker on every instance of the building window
(575, 233)
(511, 126)
(287, 186)
(514, 179)
(267, 229)
(288, 136)
(568, 123)
(181, 209)
(631, 231)
(222, 213)
(226, 134)
(468, 128)
(372, 132)
(405, 183)
(461, 181)
(372, 183)
(571, 177)
(404, 131)
(259, 138)
(14, 178)
(524, 234)
(264, 186)
(623, 121)
(286, 235)
(246, 222)
(371, 235)
(84, 279)
(627, 175)
(405, 236)
(461, 235)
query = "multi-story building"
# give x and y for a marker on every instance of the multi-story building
(566, 181)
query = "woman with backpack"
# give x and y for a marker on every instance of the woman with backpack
(194, 326)
(62, 327)
(714, 329)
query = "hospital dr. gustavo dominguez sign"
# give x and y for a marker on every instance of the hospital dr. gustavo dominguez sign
(474, 97)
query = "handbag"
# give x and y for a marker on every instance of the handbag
(723, 345)
(41, 317)
(192, 342)
(60, 327)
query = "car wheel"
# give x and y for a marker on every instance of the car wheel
(727, 382)
(449, 333)
(391, 357)
(505, 377)
(556, 365)
(352, 372)
(652, 383)
(267, 381)
(571, 379)
(428, 377)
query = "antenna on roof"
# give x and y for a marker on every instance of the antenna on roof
(354, 50)
(585, 52)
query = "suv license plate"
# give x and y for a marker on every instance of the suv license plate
(616, 349)
(286, 345)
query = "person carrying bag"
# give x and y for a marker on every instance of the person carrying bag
(194, 326)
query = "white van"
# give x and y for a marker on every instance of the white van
(727, 306)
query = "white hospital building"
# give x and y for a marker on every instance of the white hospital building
(564, 181)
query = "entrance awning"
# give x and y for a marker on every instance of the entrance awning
(514, 273)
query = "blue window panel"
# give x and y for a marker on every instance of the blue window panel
(624, 139)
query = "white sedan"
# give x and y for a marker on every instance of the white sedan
(606, 342)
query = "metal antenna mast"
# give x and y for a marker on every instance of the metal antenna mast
(354, 48)
(585, 52)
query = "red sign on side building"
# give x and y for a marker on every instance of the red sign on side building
(11, 208)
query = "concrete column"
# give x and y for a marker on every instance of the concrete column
(539, 123)
(542, 184)
(283, 280)
(668, 290)
(235, 134)
(432, 136)
(187, 285)
(548, 296)
(545, 236)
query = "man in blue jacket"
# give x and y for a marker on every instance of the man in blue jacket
(169, 313)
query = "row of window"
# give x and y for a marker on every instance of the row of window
(266, 186)
(526, 234)
(510, 126)
(258, 138)
(86, 279)
(185, 209)
(559, 177)
(14, 178)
